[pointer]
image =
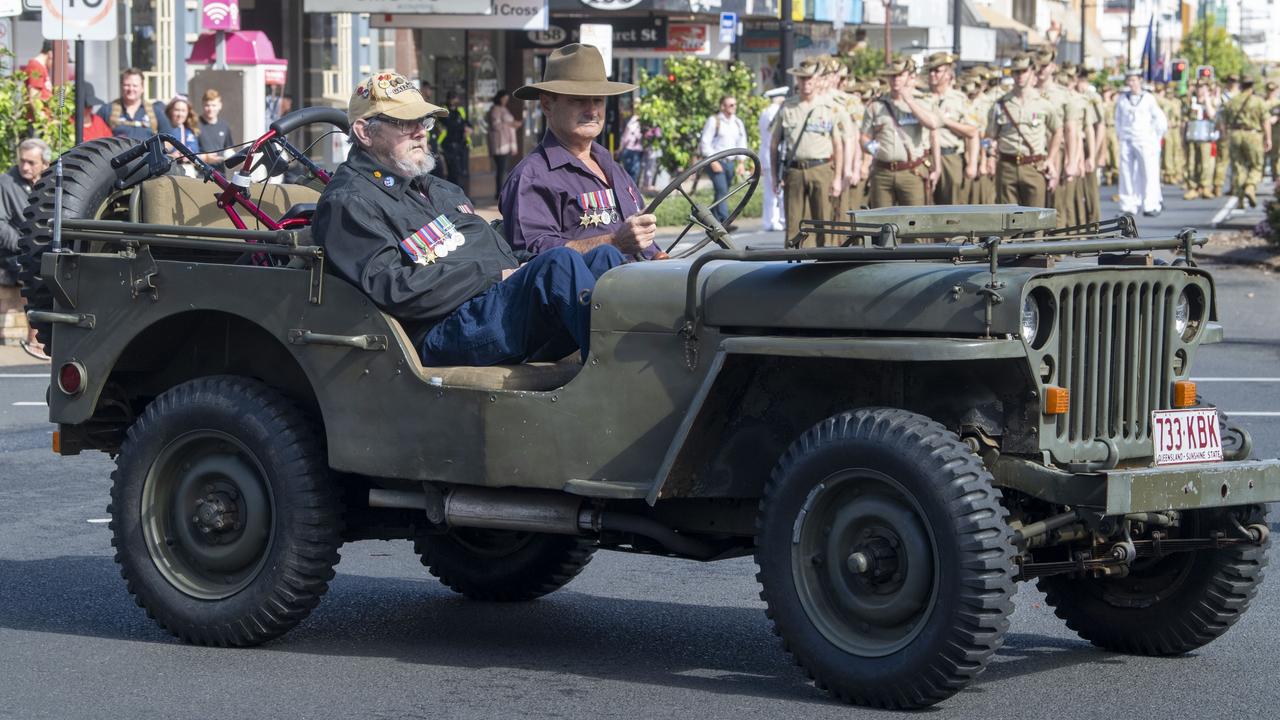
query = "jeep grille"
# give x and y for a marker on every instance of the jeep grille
(1113, 344)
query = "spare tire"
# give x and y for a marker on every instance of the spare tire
(88, 184)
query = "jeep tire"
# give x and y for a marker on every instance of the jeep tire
(88, 181)
(885, 559)
(503, 565)
(1169, 605)
(224, 516)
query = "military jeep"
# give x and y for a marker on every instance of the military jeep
(898, 426)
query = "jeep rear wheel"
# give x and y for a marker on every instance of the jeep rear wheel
(224, 517)
(1164, 606)
(885, 559)
(503, 565)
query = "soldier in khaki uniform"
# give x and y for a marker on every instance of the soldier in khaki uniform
(808, 153)
(1273, 107)
(1111, 143)
(1171, 169)
(985, 189)
(901, 126)
(1095, 132)
(1223, 169)
(1248, 120)
(1064, 197)
(855, 191)
(957, 135)
(1027, 132)
(1202, 122)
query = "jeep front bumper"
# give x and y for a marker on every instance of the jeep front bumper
(1152, 489)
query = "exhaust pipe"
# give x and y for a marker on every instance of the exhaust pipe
(541, 511)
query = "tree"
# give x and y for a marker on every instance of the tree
(1224, 54)
(20, 117)
(674, 105)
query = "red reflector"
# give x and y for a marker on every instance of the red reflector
(71, 378)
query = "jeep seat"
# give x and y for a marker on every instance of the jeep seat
(534, 376)
(180, 200)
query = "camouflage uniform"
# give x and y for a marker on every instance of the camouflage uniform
(1247, 119)
(1201, 123)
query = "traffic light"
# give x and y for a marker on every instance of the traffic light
(1204, 73)
(1179, 70)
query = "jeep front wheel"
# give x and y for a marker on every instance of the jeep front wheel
(885, 559)
(224, 517)
(503, 565)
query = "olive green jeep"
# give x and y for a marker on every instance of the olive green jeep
(898, 426)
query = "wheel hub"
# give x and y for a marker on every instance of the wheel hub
(877, 557)
(217, 513)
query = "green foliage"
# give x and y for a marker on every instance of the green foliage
(1225, 54)
(674, 105)
(674, 211)
(20, 118)
(865, 62)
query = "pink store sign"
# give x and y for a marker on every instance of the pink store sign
(220, 15)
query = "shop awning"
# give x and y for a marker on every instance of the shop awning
(1000, 21)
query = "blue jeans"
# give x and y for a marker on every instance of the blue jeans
(632, 160)
(541, 312)
(720, 182)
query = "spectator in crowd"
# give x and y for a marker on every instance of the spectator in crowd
(39, 82)
(94, 126)
(455, 142)
(184, 127)
(131, 116)
(34, 157)
(632, 147)
(215, 134)
(720, 132)
(502, 138)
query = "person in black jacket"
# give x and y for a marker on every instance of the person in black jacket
(414, 244)
(34, 157)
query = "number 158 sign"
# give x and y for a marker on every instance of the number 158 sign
(78, 19)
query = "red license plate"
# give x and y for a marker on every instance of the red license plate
(1186, 436)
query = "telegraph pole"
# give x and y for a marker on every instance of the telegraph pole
(1128, 38)
(888, 17)
(1083, 28)
(788, 45)
(955, 29)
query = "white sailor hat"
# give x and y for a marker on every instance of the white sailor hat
(776, 92)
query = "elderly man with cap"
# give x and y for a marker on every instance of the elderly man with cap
(808, 154)
(569, 191)
(772, 218)
(957, 135)
(414, 245)
(900, 126)
(1027, 132)
(1140, 124)
(1247, 119)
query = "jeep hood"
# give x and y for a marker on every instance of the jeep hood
(899, 297)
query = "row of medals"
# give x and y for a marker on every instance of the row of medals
(608, 216)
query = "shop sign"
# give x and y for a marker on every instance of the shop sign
(507, 15)
(688, 38)
(85, 20)
(220, 15)
(628, 33)
(454, 7)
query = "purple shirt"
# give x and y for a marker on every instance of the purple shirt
(547, 196)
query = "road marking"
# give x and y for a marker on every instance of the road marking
(1236, 379)
(1246, 413)
(1225, 211)
(30, 404)
(98, 521)
(19, 376)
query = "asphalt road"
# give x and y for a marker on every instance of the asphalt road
(632, 637)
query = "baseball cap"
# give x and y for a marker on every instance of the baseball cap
(390, 94)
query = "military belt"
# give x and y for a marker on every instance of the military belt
(950, 150)
(898, 166)
(806, 164)
(1240, 128)
(1021, 159)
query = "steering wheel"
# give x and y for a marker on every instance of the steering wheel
(700, 214)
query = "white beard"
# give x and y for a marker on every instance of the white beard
(414, 169)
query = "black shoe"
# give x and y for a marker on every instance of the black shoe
(1154, 213)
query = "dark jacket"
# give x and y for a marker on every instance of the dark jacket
(13, 200)
(366, 211)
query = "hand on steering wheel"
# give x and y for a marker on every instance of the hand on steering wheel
(700, 214)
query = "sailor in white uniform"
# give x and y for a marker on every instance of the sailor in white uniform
(1140, 125)
(773, 214)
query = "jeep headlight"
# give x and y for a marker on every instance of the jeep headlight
(1181, 314)
(1030, 319)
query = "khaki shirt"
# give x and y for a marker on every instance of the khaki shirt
(954, 106)
(905, 140)
(1033, 116)
(814, 137)
(1246, 111)
(839, 104)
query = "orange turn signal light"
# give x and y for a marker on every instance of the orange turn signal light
(57, 442)
(1184, 394)
(1056, 400)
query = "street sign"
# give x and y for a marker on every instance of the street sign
(453, 7)
(601, 36)
(78, 19)
(728, 27)
(507, 15)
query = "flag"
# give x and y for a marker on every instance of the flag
(1149, 50)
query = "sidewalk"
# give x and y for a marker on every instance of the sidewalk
(14, 360)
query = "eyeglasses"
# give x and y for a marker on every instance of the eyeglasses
(409, 127)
